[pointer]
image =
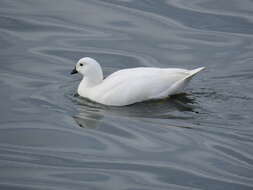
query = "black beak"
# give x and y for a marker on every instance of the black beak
(74, 71)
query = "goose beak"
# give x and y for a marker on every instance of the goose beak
(74, 71)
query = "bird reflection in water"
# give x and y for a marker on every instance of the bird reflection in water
(91, 114)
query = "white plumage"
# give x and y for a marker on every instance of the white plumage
(129, 86)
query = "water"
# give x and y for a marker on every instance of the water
(52, 139)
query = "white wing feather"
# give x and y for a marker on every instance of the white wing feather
(135, 85)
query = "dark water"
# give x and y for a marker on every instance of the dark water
(51, 139)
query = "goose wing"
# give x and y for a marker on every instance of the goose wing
(135, 85)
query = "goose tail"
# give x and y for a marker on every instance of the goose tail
(195, 71)
(181, 84)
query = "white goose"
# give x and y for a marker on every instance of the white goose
(129, 86)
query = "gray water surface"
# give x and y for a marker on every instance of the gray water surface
(52, 139)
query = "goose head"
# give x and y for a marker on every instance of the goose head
(90, 69)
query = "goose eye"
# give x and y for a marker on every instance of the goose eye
(81, 64)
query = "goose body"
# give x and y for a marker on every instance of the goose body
(128, 86)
